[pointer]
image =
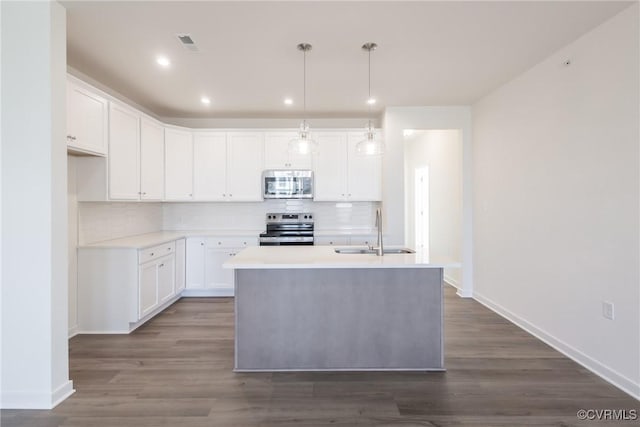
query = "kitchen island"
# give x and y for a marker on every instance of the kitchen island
(308, 308)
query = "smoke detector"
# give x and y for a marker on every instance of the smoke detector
(187, 42)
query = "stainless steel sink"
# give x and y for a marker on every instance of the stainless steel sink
(373, 251)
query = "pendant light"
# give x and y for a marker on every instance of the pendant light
(371, 145)
(303, 143)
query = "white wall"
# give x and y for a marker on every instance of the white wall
(441, 152)
(556, 189)
(34, 206)
(396, 120)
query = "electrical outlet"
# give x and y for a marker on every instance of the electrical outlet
(607, 310)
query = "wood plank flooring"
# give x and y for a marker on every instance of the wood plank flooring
(177, 371)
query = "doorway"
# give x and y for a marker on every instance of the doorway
(421, 206)
(433, 195)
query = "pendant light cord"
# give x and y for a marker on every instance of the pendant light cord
(304, 87)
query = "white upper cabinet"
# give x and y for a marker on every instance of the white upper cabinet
(87, 118)
(151, 160)
(364, 174)
(209, 166)
(331, 167)
(178, 156)
(245, 160)
(277, 155)
(341, 174)
(124, 150)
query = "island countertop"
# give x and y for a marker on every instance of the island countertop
(305, 257)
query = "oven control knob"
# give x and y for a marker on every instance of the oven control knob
(310, 216)
(305, 217)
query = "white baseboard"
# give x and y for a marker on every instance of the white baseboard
(213, 292)
(623, 383)
(462, 293)
(36, 400)
(73, 331)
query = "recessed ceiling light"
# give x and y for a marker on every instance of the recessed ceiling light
(371, 101)
(205, 100)
(163, 61)
(288, 101)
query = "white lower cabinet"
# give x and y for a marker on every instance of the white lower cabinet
(121, 288)
(181, 253)
(147, 288)
(205, 256)
(352, 240)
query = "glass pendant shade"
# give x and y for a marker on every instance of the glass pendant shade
(303, 143)
(371, 145)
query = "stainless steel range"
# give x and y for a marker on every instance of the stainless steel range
(288, 229)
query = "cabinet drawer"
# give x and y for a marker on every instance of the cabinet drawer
(149, 254)
(231, 242)
(331, 240)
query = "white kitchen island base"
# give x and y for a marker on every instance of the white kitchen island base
(316, 319)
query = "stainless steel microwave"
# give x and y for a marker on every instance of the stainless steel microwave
(287, 184)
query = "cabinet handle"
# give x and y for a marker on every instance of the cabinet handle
(71, 137)
(152, 254)
(224, 195)
(201, 243)
(230, 195)
(190, 194)
(144, 194)
(169, 249)
(161, 265)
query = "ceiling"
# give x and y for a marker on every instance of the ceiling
(430, 53)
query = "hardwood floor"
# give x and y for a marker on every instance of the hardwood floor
(177, 371)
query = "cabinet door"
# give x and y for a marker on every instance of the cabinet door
(331, 241)
(209, 166)
(245, 162)
(147, 288)
(195, 263)
(364, 173)
(124, 150)
(277, 155)
(178, 165)
(151, 160)
(276, 149)
(180, 265)
(87, 117)
(216, 276)
(331, 167)
(166, 278)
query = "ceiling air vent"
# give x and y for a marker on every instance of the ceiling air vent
(187, 42)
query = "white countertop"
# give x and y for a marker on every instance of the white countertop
(275, 257)
(142, 241)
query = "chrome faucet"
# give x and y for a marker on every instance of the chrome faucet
(379, 247)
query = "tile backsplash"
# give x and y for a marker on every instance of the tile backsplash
(99, 221)
(105, 221)
(235, 216)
